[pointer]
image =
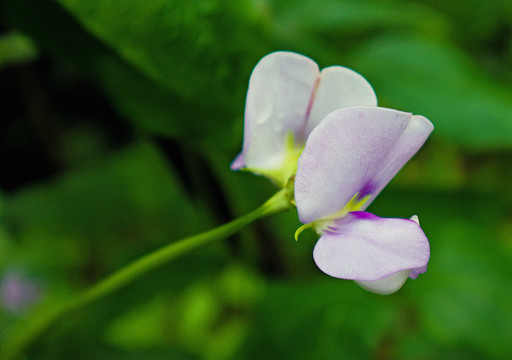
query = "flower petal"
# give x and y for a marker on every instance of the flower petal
(387, 285)
(339, 87)
(278, 99)
(356, 150)
(422, 269)
(238, 162)
(364, 247)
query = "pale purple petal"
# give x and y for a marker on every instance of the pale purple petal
(339, 87)
(364, 247)
(408, 144)
(414, 273)
(417, 271)
(356, 150)
(280, 91)
(238, 162)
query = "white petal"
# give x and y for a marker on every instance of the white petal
(278, 98)
(387, 285)
(339, 87)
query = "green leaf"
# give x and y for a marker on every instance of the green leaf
(319, 318)
(440, 82)
(194, 48)
(329, 30)
(348, 18)
(463, 299)
(459, 307)
(159, 73)
(131, 198)
(485, 17)
(16, 48)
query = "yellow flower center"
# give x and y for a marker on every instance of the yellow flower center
(288, 168)
(355, 204)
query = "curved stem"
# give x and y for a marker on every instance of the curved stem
(31, 332)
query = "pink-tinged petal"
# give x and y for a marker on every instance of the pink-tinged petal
(414, 273)
(387, 285)
(356, 150)
(238, 162)
(339, 87)
(278, 99)
(417, 271)
(364, 247)
(410, 141)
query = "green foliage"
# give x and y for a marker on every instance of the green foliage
(16, 48)
(171, 42)
(442, 83)
(171, 77)
(160, 83)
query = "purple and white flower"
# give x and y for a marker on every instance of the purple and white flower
(324, 127)
(348, 159)
(287, 97)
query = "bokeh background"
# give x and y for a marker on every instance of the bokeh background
(119, 120)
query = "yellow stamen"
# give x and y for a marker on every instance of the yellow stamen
(288, 167)
(320, 225)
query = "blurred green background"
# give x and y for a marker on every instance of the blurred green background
(120, 120)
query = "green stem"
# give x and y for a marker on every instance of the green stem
(31, 332)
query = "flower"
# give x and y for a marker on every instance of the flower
(17, 291)
(287, 97)
(353, 150)
(347, 160)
